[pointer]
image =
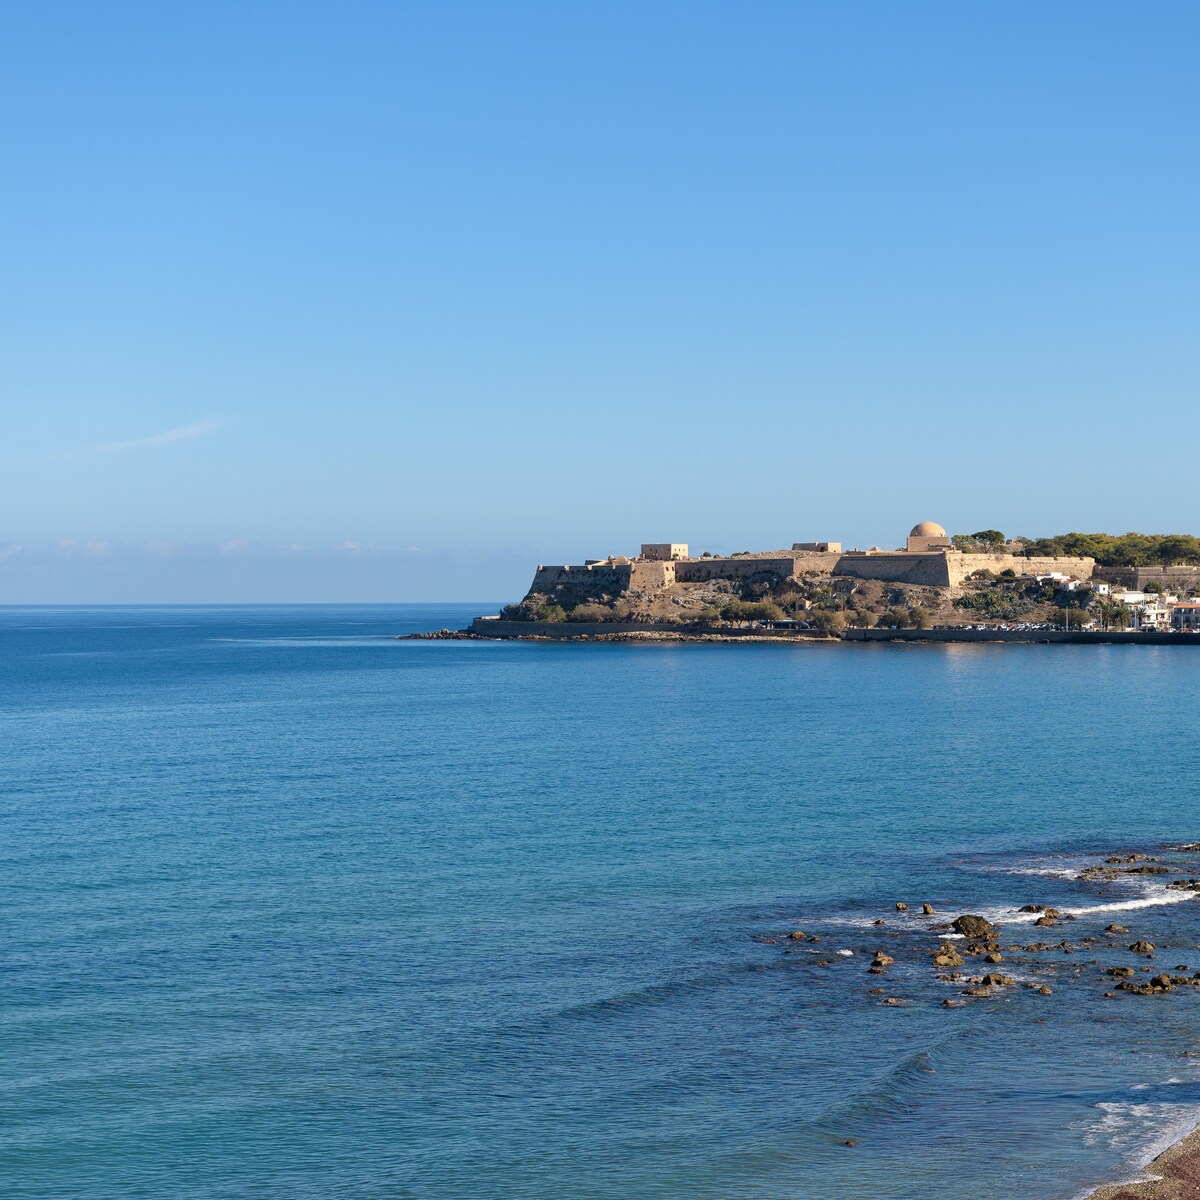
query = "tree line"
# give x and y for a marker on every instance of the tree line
(1109, 550)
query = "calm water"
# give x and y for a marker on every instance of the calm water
(291, 909)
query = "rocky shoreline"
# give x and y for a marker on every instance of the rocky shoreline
(917, 953)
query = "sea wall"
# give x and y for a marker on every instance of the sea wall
(494, 627)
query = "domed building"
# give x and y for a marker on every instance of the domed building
(927, 535)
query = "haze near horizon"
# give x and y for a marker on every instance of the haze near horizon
(394, 302)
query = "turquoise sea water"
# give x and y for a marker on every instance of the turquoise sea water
(293, 909)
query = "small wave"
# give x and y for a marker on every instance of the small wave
(1153, 896)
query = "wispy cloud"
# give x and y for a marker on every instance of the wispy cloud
(185, 433)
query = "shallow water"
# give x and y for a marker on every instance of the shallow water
(294, 909)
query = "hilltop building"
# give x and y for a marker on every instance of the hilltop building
(926, 536)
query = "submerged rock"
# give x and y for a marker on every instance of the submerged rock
(1115, 929)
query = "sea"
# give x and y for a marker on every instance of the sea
(290, 907)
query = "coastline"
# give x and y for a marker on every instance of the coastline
(495, 629)
(1173, 1175)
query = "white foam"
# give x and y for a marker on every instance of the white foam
(1141, 1132)
(846, 953)
(1158, 896)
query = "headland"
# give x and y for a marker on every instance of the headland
(1078, 588)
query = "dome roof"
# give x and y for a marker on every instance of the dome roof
(927, 529)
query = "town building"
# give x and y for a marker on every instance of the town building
(1185, 616)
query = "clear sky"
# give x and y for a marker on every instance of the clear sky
(392, 301)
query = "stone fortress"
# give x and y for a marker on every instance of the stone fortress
(928, 559)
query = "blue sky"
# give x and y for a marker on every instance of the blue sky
(385, 301)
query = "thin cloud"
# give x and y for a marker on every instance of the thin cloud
(185, 433)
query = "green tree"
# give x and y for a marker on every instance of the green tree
(752, 610)
(829, 623)
(919, 617)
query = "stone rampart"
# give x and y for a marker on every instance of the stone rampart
(1171, 579)
(930, 570)
(783, 566)
(949, 568)
(962, 565)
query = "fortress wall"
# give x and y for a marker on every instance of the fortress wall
(930, 570)
(650, 576)
(701, 570)
(949, 568)
(1136, 578)
(579, 584)
(961, 565)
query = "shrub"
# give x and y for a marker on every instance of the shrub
(550, 612)
(590, 612)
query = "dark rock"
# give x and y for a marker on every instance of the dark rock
(1045, 991)
(972, 926)
(1146, 871)
(1045, 920)
(1031, 908)
(1142, 947)
(882, 960)
(927, 909)
(797, 935)
(994, 958)
(952, 1003)
(1115, 929)
(850, 1142)
(892, 1001)
(995, 979)
(1120, 972)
